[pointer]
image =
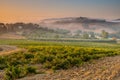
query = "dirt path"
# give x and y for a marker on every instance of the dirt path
(6, 49)
(103, 69)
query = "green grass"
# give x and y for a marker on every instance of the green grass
(25, 43)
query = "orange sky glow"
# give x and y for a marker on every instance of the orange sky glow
(34, 11)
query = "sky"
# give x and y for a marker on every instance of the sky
(36, 10)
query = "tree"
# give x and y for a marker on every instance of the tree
(56, 36)
(85, 36)
(104, 34)
(92, 35)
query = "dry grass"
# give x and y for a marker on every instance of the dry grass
(11, 36)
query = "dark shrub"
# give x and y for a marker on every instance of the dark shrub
(28, 56)
(31, 70)
(1, 49)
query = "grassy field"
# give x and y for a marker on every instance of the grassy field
(51, 55)
(25, 43)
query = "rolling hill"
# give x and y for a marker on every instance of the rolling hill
(82, 23)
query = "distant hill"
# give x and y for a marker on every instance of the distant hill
(82, 23)
(116, 20)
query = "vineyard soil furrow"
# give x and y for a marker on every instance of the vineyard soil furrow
(108, 73)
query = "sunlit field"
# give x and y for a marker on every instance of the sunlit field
(51, 56)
